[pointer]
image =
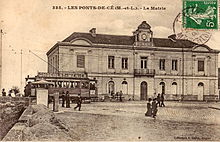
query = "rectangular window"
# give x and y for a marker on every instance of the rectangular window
(51, 66)
(111, 62)
(80, 61)
(174, 65)
(162, 64)
(143, 62)
(200, 65)
(57, 62)
(53, 63)
(124, 63)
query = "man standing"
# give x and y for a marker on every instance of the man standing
(162, 100)
(79, 102)
(120, 95)
(3, 92)
(149, 108)
(67, 99)
(154, 108)
(63, 99)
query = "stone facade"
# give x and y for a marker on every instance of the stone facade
(140, 65)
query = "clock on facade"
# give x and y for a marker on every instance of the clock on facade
(144, 36)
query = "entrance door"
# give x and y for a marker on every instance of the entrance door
(200, 91)
(111, 87)
(143, 91)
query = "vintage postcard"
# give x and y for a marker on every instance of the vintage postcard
(109, 70)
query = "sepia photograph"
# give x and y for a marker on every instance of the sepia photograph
(109, 70)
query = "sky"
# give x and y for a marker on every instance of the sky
(33, 25)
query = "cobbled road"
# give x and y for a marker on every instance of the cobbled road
(114, 121)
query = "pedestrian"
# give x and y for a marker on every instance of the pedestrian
(162, 100)
(120, 96)
(112, 94)
(154, 108)
(149, 108)
(9, 93)
(158, 100)
(63, 99)
(79, 102)
(3, 92)
(67, 99)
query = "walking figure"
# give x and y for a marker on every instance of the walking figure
(9, 93)
(158, 100)
(162, 100)
(79, 102)
(120, 96)
(154, 108)
(149, 108)
(67, 99)
(112, 94)
(3, 92)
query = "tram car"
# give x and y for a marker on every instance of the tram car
(73, 83)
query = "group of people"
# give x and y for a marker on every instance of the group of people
(152, 105)
(66, 99)
(4, 93)
(118, 95)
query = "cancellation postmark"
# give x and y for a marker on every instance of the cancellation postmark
(198, 36)
(200, 14)
(196, 21)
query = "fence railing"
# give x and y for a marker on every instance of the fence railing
(144, 72)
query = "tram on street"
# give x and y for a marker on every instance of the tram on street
(74, 83)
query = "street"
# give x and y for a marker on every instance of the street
(114, 121)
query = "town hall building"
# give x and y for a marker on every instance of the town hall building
(140, 65)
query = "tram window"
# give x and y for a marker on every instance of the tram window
(74, 84)
(92, 86)
(85, 85)
(77, 85)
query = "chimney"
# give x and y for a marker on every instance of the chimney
(93, 32)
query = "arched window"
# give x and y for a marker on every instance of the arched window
(200, 90)
(124, 87)
(200, 84)
(174, 88)
(124, 82)
(174, 83)
(162, 84)
(111, 87)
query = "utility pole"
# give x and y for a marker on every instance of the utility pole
(1, 58)
(21, 72)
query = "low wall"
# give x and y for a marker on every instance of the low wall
(11, 109)
(176, 97)
(38, 123)
(210, 98)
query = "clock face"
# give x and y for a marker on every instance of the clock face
(144, 36)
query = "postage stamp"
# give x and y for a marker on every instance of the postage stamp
(200, 14)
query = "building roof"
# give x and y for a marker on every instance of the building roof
(128, 40)
(144, 25)
(103, 38)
